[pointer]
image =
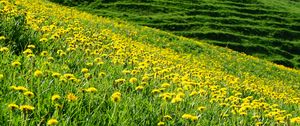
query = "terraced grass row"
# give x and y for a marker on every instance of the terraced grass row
(164, 7)
(267, 29)
(282, 33)
(202, 9)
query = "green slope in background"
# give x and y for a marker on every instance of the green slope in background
(268, 29)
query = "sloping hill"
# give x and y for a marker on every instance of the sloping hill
(268, 29)
(66, 67)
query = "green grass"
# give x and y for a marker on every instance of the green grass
(269, 24)
(75, 51)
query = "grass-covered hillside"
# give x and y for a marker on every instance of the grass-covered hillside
(268, 29)
(60, 66)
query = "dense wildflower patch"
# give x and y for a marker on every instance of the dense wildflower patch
(88, 70)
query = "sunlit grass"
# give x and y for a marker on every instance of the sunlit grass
(80, 69)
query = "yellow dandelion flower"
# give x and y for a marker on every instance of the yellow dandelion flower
(202, 91)
(145, 78)
(168, 117)
(87, 76)
(295, 120)
(101, 74)
(187, 87)
(71, 97)
(13, 106)
(116, 97)
(16, 64)
(180, 94)
(160, 123)
(134, 72)
(190, 117)
(30, 56)
(2, 38)
(51, 59)
(258, 123)
(139, 88)
(166, 96)
(243, 113)
(280, 119)
(201, 108)
(126, 72)
(55, 36)
(62, 79)
(26, 108)
(120, 81)
(84, 70)
(71, 49)
(179, 89)
(91, 90)
(4, 49)
(52, 121)
(97, 60)
(194, 118)
(43, 40)
(31, 46)
(44, 53)
(87, 51)
(133, 80)
(68, 76)
(176, 99)
(29, 94)
(59, 51)
(55, 97)
(55, 74)
(38, 73)
(62, 54)
(165, 85)
(19, 88)
(58, 106)
(27, 52)
(193, 93)
(77, 80)
(1, 76)
(255, 117)
(143, 83)
(100, 63)
(224, 104)
(155, 91)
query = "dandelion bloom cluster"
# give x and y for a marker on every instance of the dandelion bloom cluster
(80, 69)
(116, 97)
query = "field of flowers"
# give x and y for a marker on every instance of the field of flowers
(268, 29)
(60, 66)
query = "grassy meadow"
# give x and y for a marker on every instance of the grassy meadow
(268, 29)
(61, 66)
